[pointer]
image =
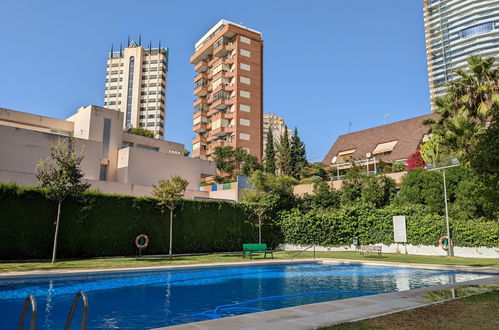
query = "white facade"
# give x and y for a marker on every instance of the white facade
(136, 85)
(455, 30)
(276, 124)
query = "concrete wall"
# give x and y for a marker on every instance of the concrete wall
(22, 149)
(147, 167)
(33, 122)
(428, 250)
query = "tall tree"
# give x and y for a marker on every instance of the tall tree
(269, 158)
(472, 101)
(284, 161)
(298, 155)
(169, 193)
(232, 162)
(60, 177)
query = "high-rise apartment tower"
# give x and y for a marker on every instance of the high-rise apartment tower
(136, 85)
(275, 124)
(229, 89)
(455, 30)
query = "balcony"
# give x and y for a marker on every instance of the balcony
(223, 73)
(221, 131)
(201, 100)
(224, 87)
(200, 127)
(223, 49)
(201, 90)
(198, 152)
(202, 75)
(199, 139)
(201, 66)
(220, 104)
(215, 115)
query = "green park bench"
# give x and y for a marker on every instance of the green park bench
(256, 248)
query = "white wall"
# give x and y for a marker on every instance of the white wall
(428, 250)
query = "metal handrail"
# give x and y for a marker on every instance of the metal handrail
(300, 252)
(83, 295)
(29, 300)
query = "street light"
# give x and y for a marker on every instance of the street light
(450, 251)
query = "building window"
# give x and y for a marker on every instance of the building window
(245, 40)
(102, 172)
(245, 67)
(106, 135)
(245, 94)
(244, 80)
(476, 30)
(245, 108)
(128, 119)
(245, 52)
(244, 136)
(244, 122)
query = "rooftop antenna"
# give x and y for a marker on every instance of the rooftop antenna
(150, 47)
(140, 39)
(111, 50)
(386, 115)
(128, 43)
(121, 50)
(159, 46)
(349, 126)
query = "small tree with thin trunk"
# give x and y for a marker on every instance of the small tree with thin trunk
(168, 194)
(60, 176)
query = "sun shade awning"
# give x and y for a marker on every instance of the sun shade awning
(346, 152)
(384, 147)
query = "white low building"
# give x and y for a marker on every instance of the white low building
(115, 161)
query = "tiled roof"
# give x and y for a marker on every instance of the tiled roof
(409, 134)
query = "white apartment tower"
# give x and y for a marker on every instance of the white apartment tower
(136, 85)
(455, 30)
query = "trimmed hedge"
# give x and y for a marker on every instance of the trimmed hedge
(373, 226)
(106, 225)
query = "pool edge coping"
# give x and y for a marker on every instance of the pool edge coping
(77, 271)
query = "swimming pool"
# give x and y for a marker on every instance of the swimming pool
(149, 299)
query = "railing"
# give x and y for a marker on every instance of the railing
(32, 301)
(300, 252)
(73, 308)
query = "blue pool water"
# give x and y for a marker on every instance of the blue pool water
(148, 299)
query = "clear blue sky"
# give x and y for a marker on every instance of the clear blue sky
(326, 63)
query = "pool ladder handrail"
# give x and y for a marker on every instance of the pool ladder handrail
(84, 298)
(30, 299)
(300, 252)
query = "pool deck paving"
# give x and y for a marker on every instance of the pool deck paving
(309, 316)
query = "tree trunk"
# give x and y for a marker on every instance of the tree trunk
(171, 233)
(259, 229)
(56, 231)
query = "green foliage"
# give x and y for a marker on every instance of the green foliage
(314, 171)
(106, 225)
(298, 155)
(375, 226)
(274, 190)
(420, 186)
(284, 162)
(186, 153)
(169, 192)
(377, 190)
(471, 102)
(270, 154)
(232, 162)
(142, 132)
(60, 174)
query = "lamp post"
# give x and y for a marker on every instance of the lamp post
(450, 250)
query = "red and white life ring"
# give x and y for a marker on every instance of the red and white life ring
(441, 242)
(143, 245)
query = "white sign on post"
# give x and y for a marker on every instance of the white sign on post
(399, 229)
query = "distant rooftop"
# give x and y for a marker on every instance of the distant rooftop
(216, 28)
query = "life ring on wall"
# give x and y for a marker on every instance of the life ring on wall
(144, 244)
(442, 244)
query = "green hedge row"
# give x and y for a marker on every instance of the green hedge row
(106, 225)
(372, 226)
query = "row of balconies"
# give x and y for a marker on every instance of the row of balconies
(205, 65)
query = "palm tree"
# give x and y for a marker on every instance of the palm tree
(469, 105)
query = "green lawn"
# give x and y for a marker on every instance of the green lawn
(474, 312)
(233, 257)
